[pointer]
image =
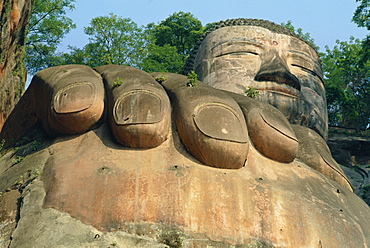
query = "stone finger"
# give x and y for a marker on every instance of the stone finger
(268, 129)
(139, 110)
(70, 99)
(209, 122)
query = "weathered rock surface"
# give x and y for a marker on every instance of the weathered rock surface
(87, 191)
(353, 153)
(13, 19)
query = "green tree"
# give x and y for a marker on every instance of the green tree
(116, 40)
(163, 59)
(362, 18)
(362, 14)
(47, 27)
(347, 85)
(112, 40)
(181, 30)
(171, 41)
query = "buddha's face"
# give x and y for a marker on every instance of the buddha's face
(283, 68)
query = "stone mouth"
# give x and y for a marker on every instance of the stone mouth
(282, 90)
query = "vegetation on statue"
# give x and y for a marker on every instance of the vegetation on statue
(2, 144)
(252, 92)
(193, 77)
(162, 78)
(117, 82)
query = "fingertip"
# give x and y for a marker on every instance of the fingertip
(272, 135)
(139, 110)
(70, 99)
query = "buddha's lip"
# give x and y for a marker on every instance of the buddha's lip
(283, 90)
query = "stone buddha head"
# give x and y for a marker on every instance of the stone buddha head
(237, 54)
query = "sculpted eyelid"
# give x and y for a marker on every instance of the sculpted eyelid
(228, 48)
(236, 53)
(305, 68)
(309, 63)
(310, 71)
(302, 56)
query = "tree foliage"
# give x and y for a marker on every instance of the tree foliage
(112, 40)
(163, 59)
(171, 41)
(362, 14)
(181, 30)
(362, 18)
(47, 27)
(347, 85)
(116, 40)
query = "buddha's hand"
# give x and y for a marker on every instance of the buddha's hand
(215, 126)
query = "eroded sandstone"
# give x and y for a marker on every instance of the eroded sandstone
(124, 196)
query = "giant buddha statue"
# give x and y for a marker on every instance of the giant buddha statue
(164, 160)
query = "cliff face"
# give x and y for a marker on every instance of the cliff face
(88, 191)
(13, 21)
(352, 152)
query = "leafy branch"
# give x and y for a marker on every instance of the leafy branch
(193, 77)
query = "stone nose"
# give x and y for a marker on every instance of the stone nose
(275, 69)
